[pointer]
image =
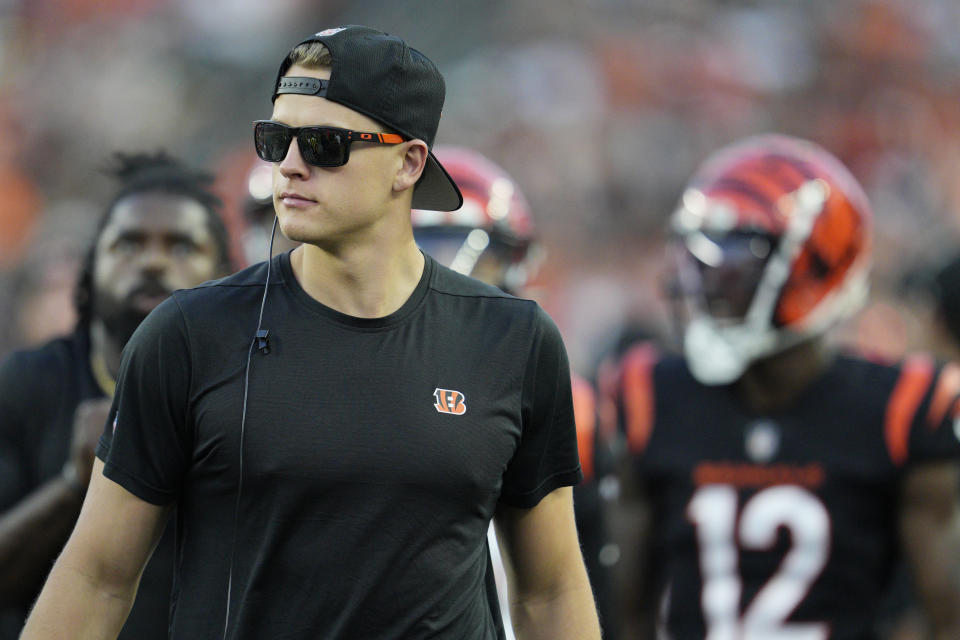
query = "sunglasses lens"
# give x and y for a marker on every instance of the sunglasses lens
(319, 146)
(272, 141)
(323, 146)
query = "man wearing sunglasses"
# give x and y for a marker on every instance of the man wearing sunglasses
(336, 427)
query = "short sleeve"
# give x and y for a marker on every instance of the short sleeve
(145, 444)
(546, 457)
(935, 432)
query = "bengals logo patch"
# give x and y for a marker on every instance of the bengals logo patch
(450, 401)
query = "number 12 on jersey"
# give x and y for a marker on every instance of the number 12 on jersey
(721, 534)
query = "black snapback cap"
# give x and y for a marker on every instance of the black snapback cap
(378, 75)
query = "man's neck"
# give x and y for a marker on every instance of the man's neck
(364, 281)
(776, 382)
(104, 355)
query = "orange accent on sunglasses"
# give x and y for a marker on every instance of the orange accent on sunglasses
(385, 138)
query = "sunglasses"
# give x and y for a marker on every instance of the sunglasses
(319, 146)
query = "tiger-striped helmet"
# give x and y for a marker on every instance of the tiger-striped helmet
(773, 247)
(490, 237)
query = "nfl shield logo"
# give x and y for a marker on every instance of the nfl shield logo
(762, 441)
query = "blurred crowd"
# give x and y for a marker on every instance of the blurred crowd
(599, 108)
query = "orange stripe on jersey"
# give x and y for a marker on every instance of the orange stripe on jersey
(944, 394)
(638, 398)
(585, 415)
(915, 378)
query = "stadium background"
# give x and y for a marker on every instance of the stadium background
(599, 108)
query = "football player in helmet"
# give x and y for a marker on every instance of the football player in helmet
(492, 238)
(783, 476)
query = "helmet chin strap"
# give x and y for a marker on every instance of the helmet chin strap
(713, 360)
(720, 355)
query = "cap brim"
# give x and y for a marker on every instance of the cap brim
(436, 190)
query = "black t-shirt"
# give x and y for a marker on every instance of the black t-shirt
(374, 452)
(39, 391)
(785, 522)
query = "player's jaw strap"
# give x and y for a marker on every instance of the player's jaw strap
(302, 85)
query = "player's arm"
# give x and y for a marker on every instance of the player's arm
(627, 393)
(550, 595)
(630, 526)
(34, 530)
(930, 533)
(31, 535)
(93, 583)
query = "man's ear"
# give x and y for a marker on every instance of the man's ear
(414, 162)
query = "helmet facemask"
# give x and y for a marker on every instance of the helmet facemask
(732, 278)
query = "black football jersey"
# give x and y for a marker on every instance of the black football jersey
(780, 525)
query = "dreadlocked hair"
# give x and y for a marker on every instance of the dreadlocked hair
(156, 172)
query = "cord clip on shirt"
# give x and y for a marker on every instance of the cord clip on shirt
(263, 342)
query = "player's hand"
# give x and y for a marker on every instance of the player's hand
(89, 420)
